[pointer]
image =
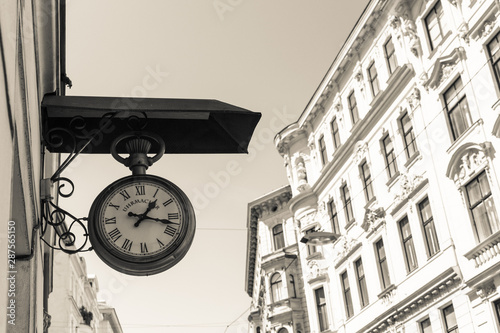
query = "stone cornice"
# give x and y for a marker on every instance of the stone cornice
(273, 203)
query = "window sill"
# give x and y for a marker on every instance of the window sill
(412, 160)
(370, 202)
(350, 224)
(387, 291)
(433, 52)
(393, 179)
(315, 255)
(484, 251)
(462, 137)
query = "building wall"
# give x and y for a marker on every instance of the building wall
(425, 153)
(29, 69)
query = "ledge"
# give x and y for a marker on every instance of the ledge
(486, 250)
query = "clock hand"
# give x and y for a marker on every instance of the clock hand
(164, 221)
(151, 205)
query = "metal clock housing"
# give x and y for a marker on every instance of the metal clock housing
(141, 225)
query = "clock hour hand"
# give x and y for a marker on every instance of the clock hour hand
(140, 216)
(151, 205)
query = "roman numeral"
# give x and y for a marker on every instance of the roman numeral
(140, 190)
(144, 248)
(173, 216)
(154, 196)
(168, 202)
(169, 230)
(114, 206)
(160, 243)
(115, 234)
(127, 244)
(111, 220)
(125, 195)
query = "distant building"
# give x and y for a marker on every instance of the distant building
(397, 154)
(73, 304)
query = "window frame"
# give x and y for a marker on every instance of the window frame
(390, 58)
(347, 202)
(408, 132)
(431, 247)
(321, 309)
(433, 44)
(364, 299)
(483, 200)
(367, 181)
(460, 106)
(389, 154)
(311, 249)
(373, 79)
(420, 326)
(352, 103)
(276, 287)
(334, 216)
(453, 329)
(335, 133)
(408, 245)
(385, 279)
(495, 64)
(278, 237)
(322, 150)
(346, 293)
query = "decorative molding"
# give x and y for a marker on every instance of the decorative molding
(408, 183)
(373, 218)
(301, 172)
(444, 66)
(414, 98)
(467, 161)
(485, 290)
(344, 247)
(359, 151)
(486, 251)
(315, 272)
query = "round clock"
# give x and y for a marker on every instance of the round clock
(141, 225)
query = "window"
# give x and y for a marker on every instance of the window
(335, 133)
(353, 107)
(435, 25)
(276, 287)
(494, 53)
(291, 292)
(349, 311)
(450, 321)
(457, 108)
(321, 309)
(383, 267)
(408, 136)
(322, 150)
(497, 309)
(373, 78)
(278, 238)
(346, 198)
(408, 247)
(360, 275)
(258, 329)
(425, 326)
(431, 241)
(283, 330)
(334, 218)
(390, 156)
(367, 181)
(311, 249)
(390, 56)
(481, 207)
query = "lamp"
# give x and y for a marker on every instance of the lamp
(319, 238)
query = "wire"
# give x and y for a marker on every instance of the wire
(237, 318)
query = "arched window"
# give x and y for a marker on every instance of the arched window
(278, 238)
(276, 287)
(283, 330)
(258, 329)
(291, 290)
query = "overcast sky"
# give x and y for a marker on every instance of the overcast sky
(264, 56)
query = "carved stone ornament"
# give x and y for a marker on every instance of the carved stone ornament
(407, 184)
(467, 161)
(344, 246)
(444, 67)
(487, 28)
(359, 152)
(486, 290)
(373, 216)
(314, 270)
(414, 98)
(308, 219)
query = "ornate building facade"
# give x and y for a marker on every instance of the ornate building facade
(396, 155)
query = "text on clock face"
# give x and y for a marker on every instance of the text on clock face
(141, 219)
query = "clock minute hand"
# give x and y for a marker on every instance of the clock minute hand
(165, 221)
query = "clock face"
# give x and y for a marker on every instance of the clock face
(141, 225)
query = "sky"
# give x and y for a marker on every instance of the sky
(264, 56)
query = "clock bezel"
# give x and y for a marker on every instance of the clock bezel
(133, 264)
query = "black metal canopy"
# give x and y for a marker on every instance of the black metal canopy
(187, 126)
